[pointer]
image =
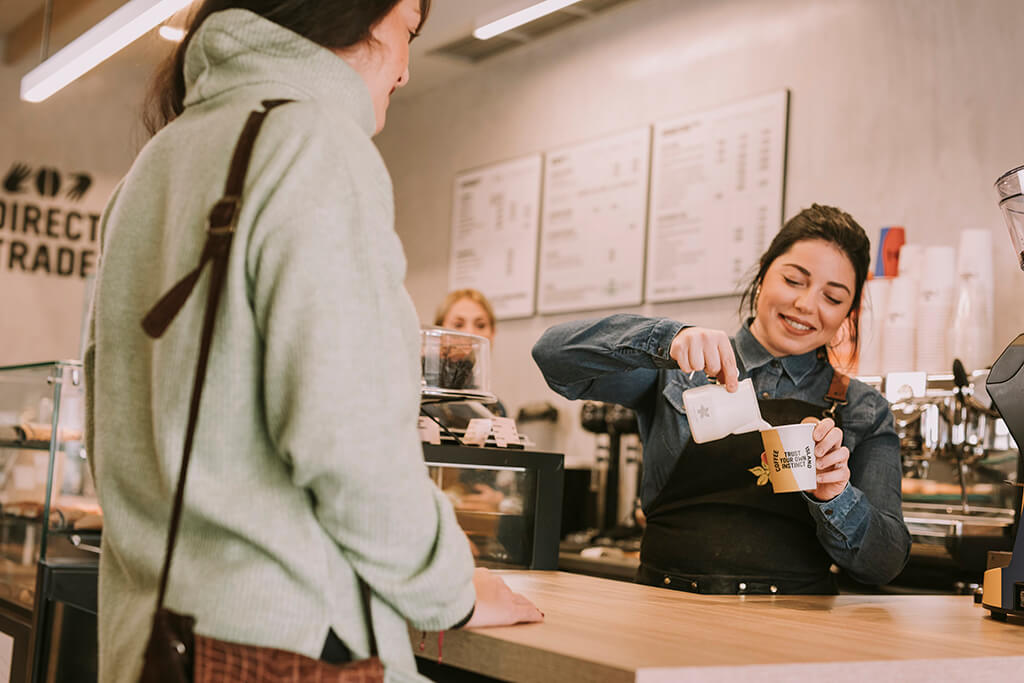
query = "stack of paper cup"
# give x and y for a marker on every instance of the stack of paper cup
(899, 340)
(912, 261)
(873, 303)
(971, 335)
(976, 256)
(935, 297)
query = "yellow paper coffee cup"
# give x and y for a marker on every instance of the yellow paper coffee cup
(789, 456)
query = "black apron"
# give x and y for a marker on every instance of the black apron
(712, 529)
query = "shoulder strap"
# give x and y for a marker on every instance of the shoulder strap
(219, 233)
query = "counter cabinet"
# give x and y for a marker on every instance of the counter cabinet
(603, 630)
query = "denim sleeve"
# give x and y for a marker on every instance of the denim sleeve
(614, 359)
(862, 528)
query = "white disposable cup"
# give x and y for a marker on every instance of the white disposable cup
(713, 412)
(900, 326)
(789, 457)
(912, 261)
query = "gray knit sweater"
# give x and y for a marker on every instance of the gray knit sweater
(307, 468)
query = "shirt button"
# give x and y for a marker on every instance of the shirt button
(828, 512)
(775, 363)
(661, 350)
(765, 394)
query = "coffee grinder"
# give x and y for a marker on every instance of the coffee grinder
(1003, 590)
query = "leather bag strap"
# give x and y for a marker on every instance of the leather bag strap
(219, 233)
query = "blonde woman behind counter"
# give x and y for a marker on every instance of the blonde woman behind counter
(307, 471)
(468, 310)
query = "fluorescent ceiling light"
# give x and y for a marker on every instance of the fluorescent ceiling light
(523, 16)
(172, 33)
(122, 27)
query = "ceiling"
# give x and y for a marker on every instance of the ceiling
(13, 12)
(20, 25)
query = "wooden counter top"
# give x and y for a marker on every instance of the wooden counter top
(603, 630)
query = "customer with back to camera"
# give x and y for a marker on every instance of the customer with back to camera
(307, 475)
(713, 525)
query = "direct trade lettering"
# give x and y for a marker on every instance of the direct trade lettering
(51, 222)
(22, 257)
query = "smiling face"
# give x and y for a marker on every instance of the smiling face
(383, 62)
(805, 296)
(466, 315)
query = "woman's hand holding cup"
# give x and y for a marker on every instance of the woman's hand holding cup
(832, 459)
(699, 349)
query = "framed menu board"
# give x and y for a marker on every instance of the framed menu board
(593, 223)
(494, 234)
(717, 185)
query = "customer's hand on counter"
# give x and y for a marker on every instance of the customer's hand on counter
(497, 605)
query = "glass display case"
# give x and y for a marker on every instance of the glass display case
(509, 502)
(48, 503)
(455, 366)
(50, 519)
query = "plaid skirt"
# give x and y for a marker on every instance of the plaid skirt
(217, 661)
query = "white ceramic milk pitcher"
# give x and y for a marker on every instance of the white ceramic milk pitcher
(714, 413)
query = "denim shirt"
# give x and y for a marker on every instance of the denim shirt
(625, 359)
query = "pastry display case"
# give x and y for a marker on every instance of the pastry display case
(509, 502)
(49, 516)
(48, 505)
(455, 366)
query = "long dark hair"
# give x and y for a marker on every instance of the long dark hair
(334, 25)
(832, 225)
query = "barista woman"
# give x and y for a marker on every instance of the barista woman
(710, 527)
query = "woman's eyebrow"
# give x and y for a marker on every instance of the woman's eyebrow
(808, 274)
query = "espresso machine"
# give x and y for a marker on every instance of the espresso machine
(1003, 590)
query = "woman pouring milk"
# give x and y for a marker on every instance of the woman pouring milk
(713, 525)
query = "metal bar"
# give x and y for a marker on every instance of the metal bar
(44, 43)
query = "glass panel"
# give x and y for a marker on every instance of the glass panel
(495, 507)
(45, 487)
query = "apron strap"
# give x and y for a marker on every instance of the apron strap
(836, 395)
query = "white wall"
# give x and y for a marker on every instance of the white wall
(91, 126)
(903, 112)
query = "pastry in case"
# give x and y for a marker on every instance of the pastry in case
(455, 366)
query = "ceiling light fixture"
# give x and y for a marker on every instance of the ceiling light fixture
(172, 33)
(523, 16)
(122, 27)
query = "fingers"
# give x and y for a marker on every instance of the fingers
(823, 428)
(712, 362)
(729, 372)
(832, 440)
(840, 474)
(839, 456)
(525, 611)
(698, 349)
